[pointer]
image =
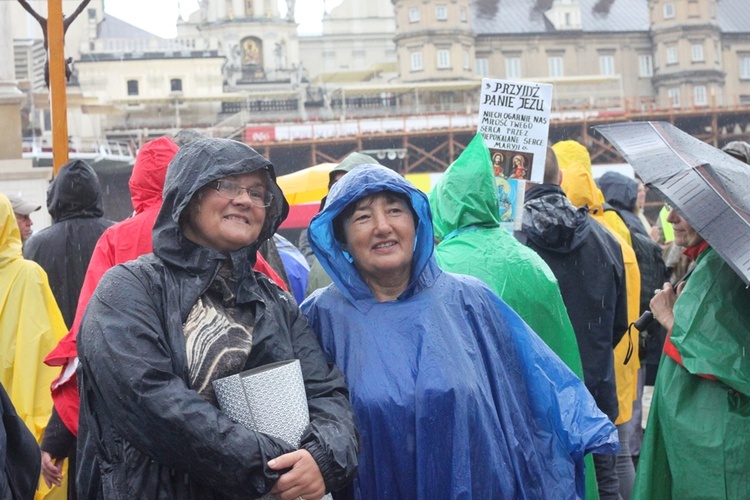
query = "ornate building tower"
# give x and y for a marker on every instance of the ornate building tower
(260, 45)
(688, 67)
(434, 40)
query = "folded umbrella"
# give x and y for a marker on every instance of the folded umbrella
(706, 186)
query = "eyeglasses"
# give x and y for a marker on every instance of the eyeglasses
(232, 190)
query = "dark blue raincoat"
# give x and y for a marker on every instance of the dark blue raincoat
(454, 396)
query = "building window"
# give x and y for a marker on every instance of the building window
(745, 67)
(132, 87)
(671, 55)
(414, 15)
(462, 15)
(443, 59)
(555, 66)
(668, 10)
(416, 61)
(697, 52)
(699, 95)
(607, 65)
(92, 14)
(467, 60)
(482, 66)
(645, 66)
(674, 97)
(717, 53)
(441, 12)
(175, 85)
(513, 67)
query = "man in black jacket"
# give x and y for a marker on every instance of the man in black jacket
(74, 200)
(587, 262)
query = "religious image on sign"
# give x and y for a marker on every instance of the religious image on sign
(511, 164)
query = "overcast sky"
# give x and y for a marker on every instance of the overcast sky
(162, 14)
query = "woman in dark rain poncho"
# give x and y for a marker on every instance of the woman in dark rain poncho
(454, 396)
(159, 329)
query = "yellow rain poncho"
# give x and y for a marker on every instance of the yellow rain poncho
(580, 188)
(30, 326)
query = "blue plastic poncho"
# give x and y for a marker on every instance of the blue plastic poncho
(454, 396)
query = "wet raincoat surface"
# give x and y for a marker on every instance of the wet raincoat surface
(20, 460)
(587, 261)
(454, 396)
(74, 200)
(295, 265)
(30, 326)
(697, 441)
(466, 220)
(144, 432)
(580, 188)
(126, 240)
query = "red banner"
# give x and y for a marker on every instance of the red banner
(255, 135)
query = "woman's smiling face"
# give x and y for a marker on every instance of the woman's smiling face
(225, 224)
(380, 237)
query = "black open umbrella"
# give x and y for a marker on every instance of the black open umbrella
(706, 186)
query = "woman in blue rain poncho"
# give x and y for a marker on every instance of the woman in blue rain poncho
(453, 394)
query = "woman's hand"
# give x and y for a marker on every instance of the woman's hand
(52, 469)
(663, 303)
(655, 234)
(303, 481)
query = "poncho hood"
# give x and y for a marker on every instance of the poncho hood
(195, 165)
(363, 181)
(147, 180)
(552, 222)
(75, 193)
(349, 163)
(578, 179)
(619, 191)
(738, 149)
(10, 236)
(466, 192)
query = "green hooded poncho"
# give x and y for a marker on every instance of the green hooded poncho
(466, 219)
(697, 441)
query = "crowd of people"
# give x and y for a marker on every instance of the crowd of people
(442, 356)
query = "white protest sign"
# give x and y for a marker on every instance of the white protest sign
(514, 122)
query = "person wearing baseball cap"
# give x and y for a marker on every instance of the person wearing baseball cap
(22, 209)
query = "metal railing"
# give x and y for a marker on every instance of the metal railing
(91, 150)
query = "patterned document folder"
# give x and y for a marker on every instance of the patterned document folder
(270, 399)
